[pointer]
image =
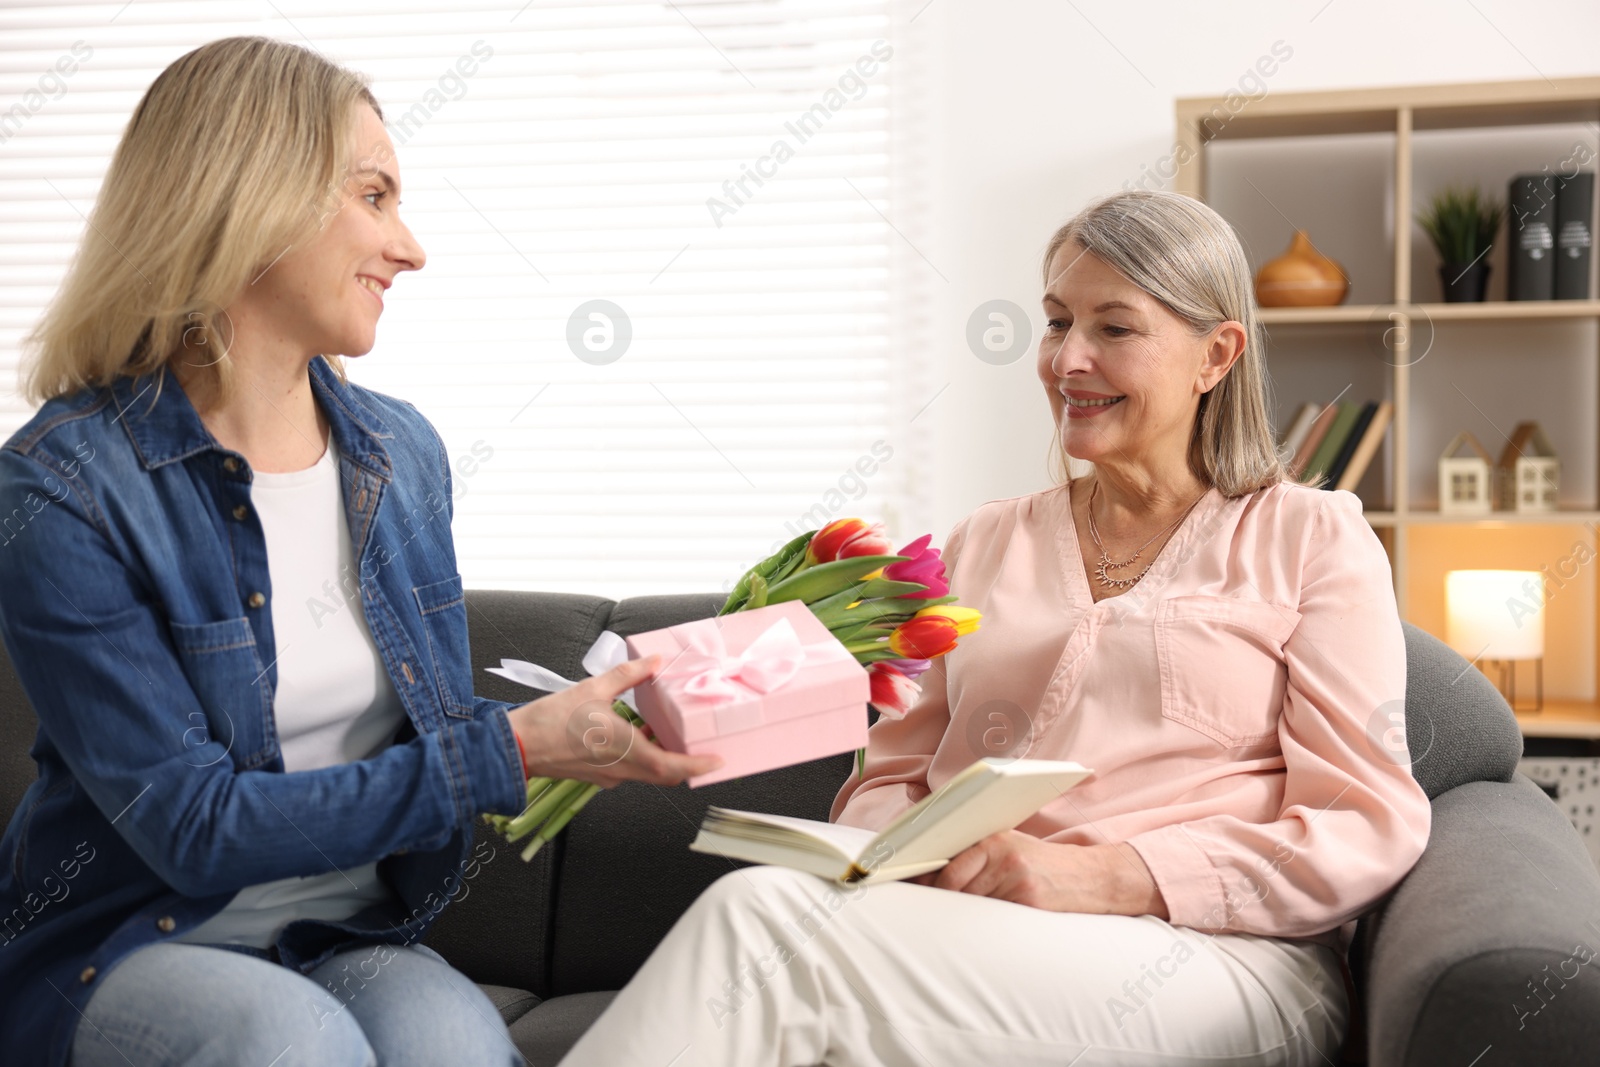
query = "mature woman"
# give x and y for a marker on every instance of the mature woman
(250, 805)
(1219, 644)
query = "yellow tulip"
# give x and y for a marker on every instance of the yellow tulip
(965, 619)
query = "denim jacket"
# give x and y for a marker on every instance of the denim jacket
(134, 601)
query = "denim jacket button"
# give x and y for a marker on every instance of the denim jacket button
(256, 600)
(87, 975)
(240, 511)
(230, 465)
(165, 924)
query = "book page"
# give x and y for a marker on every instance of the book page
(984, 799)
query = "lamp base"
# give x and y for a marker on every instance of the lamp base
(1506, 683)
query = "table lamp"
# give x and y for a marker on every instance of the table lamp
(1497, 617)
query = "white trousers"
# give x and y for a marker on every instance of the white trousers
(772, 967)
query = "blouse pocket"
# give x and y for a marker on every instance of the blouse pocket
(1222, 666)
(443, 606)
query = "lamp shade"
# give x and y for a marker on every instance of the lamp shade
(1495, 614)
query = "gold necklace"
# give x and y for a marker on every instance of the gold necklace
(1106, 563)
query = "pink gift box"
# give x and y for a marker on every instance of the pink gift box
(762, 689)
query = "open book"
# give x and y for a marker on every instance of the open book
(990, 796)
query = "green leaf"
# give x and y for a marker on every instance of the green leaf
(837, 602)
(914, 606)
(852, 634)
(884, 587)
(827, 579)
(758, 593)
(775, 567)
(1461, 222)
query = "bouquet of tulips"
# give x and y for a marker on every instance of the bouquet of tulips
(892, 610)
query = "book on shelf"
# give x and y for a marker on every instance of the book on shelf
(987, 797)
(1574, 234)
(1299, 426)
(1348, 447)
(1322, 459)
(1366, 448)
(1530, 226)
(1313, 439)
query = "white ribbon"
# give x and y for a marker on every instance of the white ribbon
(609, 650)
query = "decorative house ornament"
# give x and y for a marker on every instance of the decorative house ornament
(1301, 277)
(1528, 473)
(1465, 482)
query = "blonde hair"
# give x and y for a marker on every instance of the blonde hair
(1187, 256)
(237, 152)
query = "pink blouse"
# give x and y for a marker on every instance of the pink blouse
(1241, 706)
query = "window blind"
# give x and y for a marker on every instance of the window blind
(655, 324)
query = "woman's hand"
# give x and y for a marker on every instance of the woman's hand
(575, 734)
(1097, 879)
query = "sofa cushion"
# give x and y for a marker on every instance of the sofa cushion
(499, 933)
(1458, 727)
(548, 1032)
(18, 727)
(512, 1004)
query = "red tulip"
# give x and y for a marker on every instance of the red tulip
(924, 567)
(846, 539)
(893, 693)
(923, 637)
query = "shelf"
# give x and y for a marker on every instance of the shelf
(1509, 309)
(1559, 517)
(1432, 107)
(1561, 718)
(1322, 316)
(1489, 310)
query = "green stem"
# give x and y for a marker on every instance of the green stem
(558, 822)
(550, 802)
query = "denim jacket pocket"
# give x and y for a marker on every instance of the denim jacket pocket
(223, 665)
(1222, 666)
(443, 605)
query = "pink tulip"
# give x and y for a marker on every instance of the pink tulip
(893, 693)
(924, 567)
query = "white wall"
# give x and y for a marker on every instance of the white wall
(1040, 106)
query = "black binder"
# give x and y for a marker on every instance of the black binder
(1530, 225)
(1574, 234)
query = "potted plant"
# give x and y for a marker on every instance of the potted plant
(1462, 224)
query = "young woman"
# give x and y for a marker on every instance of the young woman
(1220, 645)
(250, 807)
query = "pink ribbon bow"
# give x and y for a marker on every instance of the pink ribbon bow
(707, 674)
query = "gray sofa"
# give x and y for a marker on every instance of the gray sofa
(1472, 955)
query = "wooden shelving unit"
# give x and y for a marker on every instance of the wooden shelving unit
(1397, 120)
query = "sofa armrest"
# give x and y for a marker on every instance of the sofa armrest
(1490, 941)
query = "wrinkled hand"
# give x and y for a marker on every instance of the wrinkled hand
(1014, 866)
(575, 734)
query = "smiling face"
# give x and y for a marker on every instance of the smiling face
(325, 294)
(1123, 373)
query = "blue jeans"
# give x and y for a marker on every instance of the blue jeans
(195, 1005)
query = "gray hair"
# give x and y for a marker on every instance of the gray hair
(1187, 256)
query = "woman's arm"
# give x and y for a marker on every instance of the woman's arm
(899, 751)
(1353, 818)
(96, 658)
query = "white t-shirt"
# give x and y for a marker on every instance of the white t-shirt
(334, 702)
